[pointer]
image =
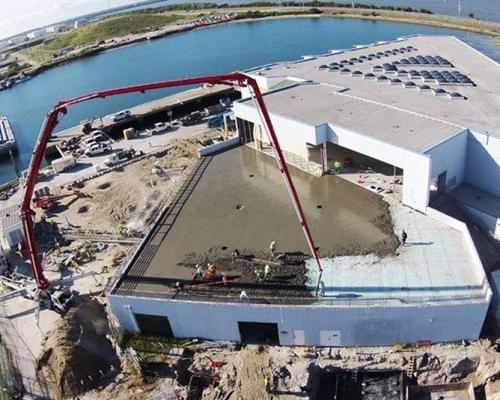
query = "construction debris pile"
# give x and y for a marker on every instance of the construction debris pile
(73, 256)
(78, 355)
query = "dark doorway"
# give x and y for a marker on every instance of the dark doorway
(441, 183)
(154, 325)
(245, 130)
(259, 333)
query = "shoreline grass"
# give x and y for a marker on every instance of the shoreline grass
(106, 29)
(139, 22)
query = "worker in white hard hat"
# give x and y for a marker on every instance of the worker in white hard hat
(272, 248)
(267, 271)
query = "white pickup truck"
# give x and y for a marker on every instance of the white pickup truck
(97, 148)
(160, 127)
(121, 115)
(120, 156)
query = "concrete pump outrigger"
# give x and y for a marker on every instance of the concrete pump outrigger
(52, 119)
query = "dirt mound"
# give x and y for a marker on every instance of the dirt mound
(182, 153)
(77, 354)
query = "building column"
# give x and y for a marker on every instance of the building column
(324, 158)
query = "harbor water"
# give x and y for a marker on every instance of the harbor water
(217, 49)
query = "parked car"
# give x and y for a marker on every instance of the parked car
(98, 136)
(97, 148)
(119, 156)
(192, 119)
(87, 142)
(160, 127)
(121, 115)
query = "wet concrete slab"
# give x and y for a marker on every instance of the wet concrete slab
(240, 202)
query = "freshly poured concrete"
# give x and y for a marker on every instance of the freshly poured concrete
(433, 265)
(241, 202)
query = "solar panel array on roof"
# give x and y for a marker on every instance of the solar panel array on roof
(455, 78)
(382, 54)
(437, 61)
(393, 68)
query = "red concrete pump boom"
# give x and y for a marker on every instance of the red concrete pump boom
(51, 121)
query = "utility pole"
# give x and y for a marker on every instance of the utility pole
(459, 8)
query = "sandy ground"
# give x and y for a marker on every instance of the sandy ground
(124, 198)
(121, 200)
(240, 374)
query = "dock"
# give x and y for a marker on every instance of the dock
(7, 139)
(178, 104)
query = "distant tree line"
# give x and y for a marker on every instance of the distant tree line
(311, 4)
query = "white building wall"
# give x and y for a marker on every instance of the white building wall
(309, 325)
(495, 301)
(416, 167)
(10, 236)
(489, 222)
(450, 156)
(483, 162)
(292, 135)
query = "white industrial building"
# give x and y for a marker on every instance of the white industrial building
(427, 140)
(11, 231)
(409, 128)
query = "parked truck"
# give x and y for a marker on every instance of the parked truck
(120, 156)
(63, 163)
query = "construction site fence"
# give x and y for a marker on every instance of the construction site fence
(170, 295)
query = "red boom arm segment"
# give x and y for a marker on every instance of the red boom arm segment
(52, 119)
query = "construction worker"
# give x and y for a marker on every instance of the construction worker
(337, 165)
(258, 275)
(272, 248)
(210, 273)
(179, 286)
(267, 271)
(404, 236)
(198, 273)
(243, 295)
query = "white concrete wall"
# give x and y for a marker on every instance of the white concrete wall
(495, 302)
(450, 156)
(309, 325)
(292, 135)
(416, 167)
(262, 82)
(483, 162)
(11, 236)
(489, 222)
(214, 148)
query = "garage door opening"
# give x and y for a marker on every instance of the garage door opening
(154, 325)
(259, 333)
(373, 174)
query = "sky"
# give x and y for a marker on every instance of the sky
(17, 16)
